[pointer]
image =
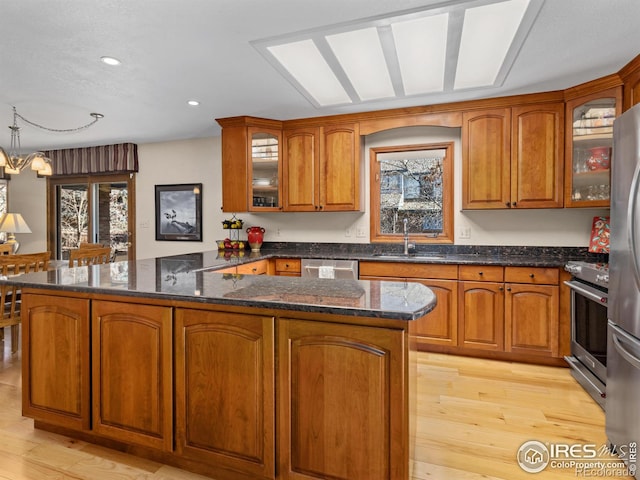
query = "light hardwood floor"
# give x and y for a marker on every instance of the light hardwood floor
(473, 415)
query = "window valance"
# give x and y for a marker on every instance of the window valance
(118, 158)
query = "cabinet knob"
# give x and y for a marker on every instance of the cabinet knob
(515, 204)
(501, 288)
(508, 204)
(531, 275)
(254, 269)
(508, 289)
(480, 273)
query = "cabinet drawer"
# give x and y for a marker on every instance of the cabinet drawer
(548, 276)
(408, 270)
(481, 273)
(287, 265)
(252, 268)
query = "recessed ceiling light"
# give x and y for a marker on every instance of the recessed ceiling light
(110, 61)
(193, 103)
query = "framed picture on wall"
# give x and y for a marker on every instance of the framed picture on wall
(179, 212)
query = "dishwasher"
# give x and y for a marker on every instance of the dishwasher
(343, 269)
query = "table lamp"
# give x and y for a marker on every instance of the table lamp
(13, 223)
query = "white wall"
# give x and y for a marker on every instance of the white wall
(198, 161)
(27, 195)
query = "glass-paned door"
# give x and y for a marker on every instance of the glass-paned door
(92, 210)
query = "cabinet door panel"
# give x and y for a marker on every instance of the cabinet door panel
(340, 168)
(481, 315)
(225, 390)
(440, 326)
(55, 339)
(537, 167)
(337, 422)
(132, 373)
(234, 169)
(300, 169)
(531, 319)
(486, 159)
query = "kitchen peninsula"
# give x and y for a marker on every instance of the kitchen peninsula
(228, 375)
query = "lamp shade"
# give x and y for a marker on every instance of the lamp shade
(13, 223)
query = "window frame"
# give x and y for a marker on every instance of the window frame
(447, 234)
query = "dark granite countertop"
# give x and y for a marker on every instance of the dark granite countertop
(428, 254)
(192, 277)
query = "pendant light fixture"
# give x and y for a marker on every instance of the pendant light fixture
(15, 161)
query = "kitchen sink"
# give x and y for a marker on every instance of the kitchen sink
(400, 256)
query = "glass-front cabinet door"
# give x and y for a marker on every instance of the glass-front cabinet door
(589, 148)
(265, 172)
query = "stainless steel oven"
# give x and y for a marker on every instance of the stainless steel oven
(589, 298)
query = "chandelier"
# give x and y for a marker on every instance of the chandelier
(14, 161)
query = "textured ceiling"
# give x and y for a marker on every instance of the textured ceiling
(176, 50)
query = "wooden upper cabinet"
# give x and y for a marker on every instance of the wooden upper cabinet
(513, 157)
(589, 142)
(240, 138)
(537, 158)
(340, 168)
(300, 169)
(630, 76)
(321, 168)
(264, 174)
(486, 158)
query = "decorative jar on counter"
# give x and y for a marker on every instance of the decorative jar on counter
(255, 236)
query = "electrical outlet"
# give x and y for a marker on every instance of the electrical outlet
(465, 232)
(361, 232)
(277, 232)
(347, 232)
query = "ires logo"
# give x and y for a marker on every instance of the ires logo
(585, 459)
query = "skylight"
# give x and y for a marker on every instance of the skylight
(449, 46)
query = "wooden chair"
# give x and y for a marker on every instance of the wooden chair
(10, 293)
(90, 245)
(89, 256)
(6, 249)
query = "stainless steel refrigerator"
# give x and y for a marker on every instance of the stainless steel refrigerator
(623, 348)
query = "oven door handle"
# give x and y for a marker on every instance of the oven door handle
(590, 293)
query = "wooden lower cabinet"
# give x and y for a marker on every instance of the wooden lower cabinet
(225, 392)
(132, 364)
(233, 393)
(287, 267)
(486, 310)
(481, 315)
(55, 362)
(531, 319)
(521, 318)
(337, 422)
(259, 267)
(440, 326)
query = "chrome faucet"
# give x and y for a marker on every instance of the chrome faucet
(405, 231)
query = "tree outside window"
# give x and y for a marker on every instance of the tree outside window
(412, 182)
